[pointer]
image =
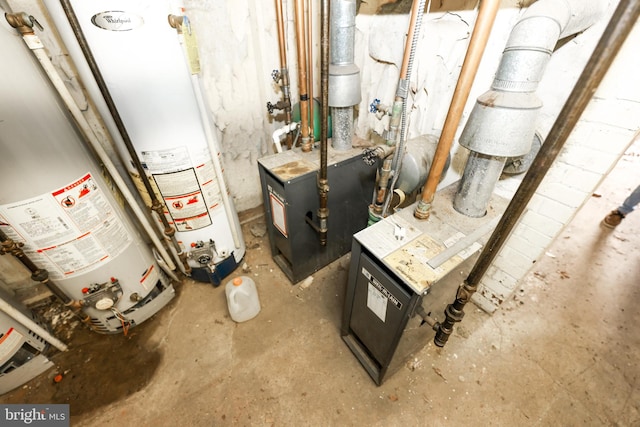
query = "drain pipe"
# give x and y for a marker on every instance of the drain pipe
(502, 123)
(303, 85)
(619, 27)
(283, 77)
(24, 24)
(486, 15)
(156, 206)
(344, 75)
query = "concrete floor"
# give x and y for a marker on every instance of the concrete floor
(564, 351)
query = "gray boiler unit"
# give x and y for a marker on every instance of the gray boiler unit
(290, 195)
(403, 269)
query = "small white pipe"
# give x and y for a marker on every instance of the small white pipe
(279, 133)
(36, 46)
(213, 149)
(212, 143)
(30, 324)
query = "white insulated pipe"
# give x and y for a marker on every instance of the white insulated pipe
(36, 46)
(30, 324)
(212, 141)
(217, 166)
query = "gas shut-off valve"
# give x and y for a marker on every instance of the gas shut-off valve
(203, 252)
(102, 296)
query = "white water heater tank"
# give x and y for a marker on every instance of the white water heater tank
(157, 96)
(55, 201)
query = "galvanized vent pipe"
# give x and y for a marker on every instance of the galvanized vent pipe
(619, 27)
(486, 15)
(344, 75)
(502, 123)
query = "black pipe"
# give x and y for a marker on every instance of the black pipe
(323, 183)
(156, 206)
(621, 23)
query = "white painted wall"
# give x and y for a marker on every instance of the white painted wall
(238, 47)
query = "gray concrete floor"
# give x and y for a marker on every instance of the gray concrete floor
(564, 351)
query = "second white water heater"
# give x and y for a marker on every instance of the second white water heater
(156, 95)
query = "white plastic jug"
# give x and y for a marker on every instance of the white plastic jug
(242, 298)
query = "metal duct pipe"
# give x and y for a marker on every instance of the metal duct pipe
(486, 15)
(303, 85)
(619, 27)
(502, 123)
(344, 75)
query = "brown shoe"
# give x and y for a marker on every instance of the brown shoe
(613, 219)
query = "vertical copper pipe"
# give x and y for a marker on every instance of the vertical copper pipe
(310, 68)
(284, 70)
(619, 27)
(303, 84)
(486, 16)
(407, 47)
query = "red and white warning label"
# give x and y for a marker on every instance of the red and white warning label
(69, 231)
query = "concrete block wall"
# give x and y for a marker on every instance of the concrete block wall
(609, 125)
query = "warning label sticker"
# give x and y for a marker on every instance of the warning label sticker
(69, 231)
(183, 199)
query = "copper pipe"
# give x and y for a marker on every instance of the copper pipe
(614, 35)
(310, 68)
(404, 69)
(303, 84)
(486, 15)
(284, 70)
